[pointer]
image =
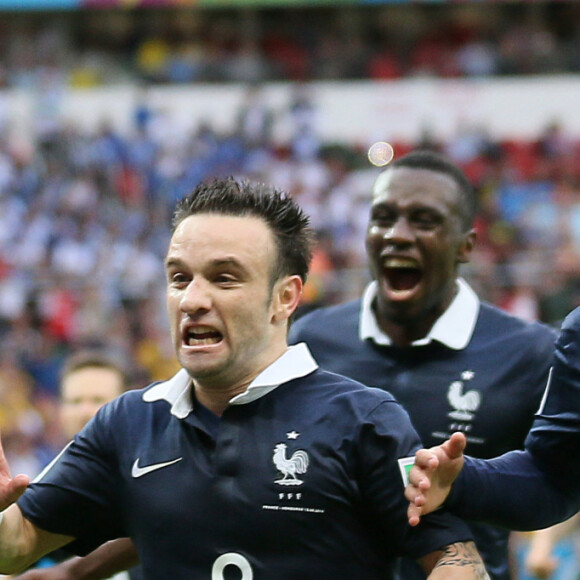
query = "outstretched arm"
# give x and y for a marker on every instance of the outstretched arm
(503, 491)
(108, 559)
(21, 542)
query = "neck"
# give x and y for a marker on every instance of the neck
(403, 334)
(216, 401)
(404, 329)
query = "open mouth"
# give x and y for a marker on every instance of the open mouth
(201, 336)
(402, 275)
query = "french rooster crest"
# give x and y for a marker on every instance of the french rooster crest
(464, 403)
(296, 464)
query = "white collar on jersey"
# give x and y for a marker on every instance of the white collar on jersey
(296, 362)
(454, 328)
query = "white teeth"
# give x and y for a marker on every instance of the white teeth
(202, 335)
(399, 263)
(401, 293)
(199, 341)
(201, 330)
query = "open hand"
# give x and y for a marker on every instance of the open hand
(431, 477)
(11, 488)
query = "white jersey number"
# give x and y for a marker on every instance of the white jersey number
(231, 559)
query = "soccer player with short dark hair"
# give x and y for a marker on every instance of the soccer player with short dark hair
(420, 332)
(251, 460)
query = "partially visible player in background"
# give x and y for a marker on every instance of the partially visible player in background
(89, 379)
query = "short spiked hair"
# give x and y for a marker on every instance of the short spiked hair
(288, 222)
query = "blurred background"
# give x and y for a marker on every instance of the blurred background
(111, 110)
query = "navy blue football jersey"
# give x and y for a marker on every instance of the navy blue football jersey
(490, 389)
(300, 480)
(555, 437)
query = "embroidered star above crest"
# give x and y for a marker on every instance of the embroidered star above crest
(292, 435)
(467, 375)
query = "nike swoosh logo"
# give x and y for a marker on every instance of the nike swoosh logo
(137, 471)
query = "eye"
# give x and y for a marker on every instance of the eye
(225, 279)
(426, 220)
(178, 279)
(383, 217)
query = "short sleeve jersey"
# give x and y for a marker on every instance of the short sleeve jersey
(302, 480)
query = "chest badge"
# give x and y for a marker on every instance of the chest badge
(464, 402)
(296, 464)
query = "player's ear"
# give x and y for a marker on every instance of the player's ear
(286, 297)
(466, 247)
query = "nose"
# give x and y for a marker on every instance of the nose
(400, 233)
(195, 297)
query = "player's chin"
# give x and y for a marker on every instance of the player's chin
(405, 310)
(199, 362)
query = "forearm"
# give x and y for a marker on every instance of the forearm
(110, 558)
(460, 561)
(505, 491)
(22, 543)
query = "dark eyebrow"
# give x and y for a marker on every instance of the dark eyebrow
(172, 262)
(217, 263)
(232, 263)
(227, 262)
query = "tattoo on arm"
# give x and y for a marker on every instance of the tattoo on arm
(463, 554)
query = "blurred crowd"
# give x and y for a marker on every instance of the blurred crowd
(84, 223)
(188, 45)
(84, 216)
